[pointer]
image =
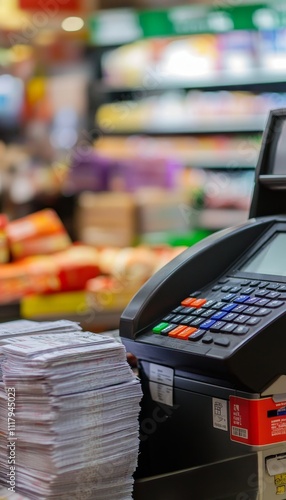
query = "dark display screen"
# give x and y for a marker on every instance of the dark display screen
(278, 162)
(270, 259)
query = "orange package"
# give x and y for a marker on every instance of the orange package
(68, 270)
(4, 249)
(39, 233)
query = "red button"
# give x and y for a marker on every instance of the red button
(199, 302)
(188, 301)
(177, 330)
(186, 333)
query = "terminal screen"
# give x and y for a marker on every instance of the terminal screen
(278, 162)
(270, 259)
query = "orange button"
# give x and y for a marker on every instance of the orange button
(177, 330)
(199, 302)
(186, 333)
(188, 301)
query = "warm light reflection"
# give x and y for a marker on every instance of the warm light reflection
(72, 24)
(45, 37)
(11, 17)
(20, 53)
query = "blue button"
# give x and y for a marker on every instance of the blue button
(207, 324)
(229, 307)
(219, 315)
(252, 300)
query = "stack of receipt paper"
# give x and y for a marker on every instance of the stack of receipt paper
(69, 408)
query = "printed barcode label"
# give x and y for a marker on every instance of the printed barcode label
(237, 431)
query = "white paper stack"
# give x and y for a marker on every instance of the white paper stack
(9, 331)
(77, 406)
(10, 495)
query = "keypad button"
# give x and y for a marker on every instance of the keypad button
(209, 303)
(159, 327)
(248, 290)
(196, 335)
(240, 330)
(275, 303)
(273, 295)
(199, 302)
(230, 316)
(215, 288)
(177, 309)
(169, 317)
(198, 312)
(217, 326)
(262, 311)
(218, 305)
(219, 315)
(235, 289)
(207, 324)
(208, 312)
(250, 310)
(253, 321)
(262, 302)
(229, 307)
(228, 297)
(228, 328)
(254, 283)
(226, 288)
(187, 320)
(282, 288)
(207, 339)
(176, 331)
(245, 282)
(187, 310)
(241, 299)
(273, 286)
(239, 308)
(282, 296)
(196, 321)
(184, 335)
(188, 301)
(242, 318)
(263, 284)
(252, 300)
(261, 293)
(168, 329)
(178, 318)
(222, 341)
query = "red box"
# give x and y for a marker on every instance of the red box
(47, 5)
(257, 422)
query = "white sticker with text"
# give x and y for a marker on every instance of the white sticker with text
(220, 419)
(161, 374)
(161, 393)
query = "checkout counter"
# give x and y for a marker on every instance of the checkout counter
(209, 333)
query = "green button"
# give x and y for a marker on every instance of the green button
(158, 328)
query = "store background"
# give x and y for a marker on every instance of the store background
(141, 129)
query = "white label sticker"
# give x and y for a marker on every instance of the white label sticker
(220, 420)
(161, 393)
(161, 374)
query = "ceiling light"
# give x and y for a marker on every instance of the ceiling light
(72, 24)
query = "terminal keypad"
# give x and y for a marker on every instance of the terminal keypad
(231, 308)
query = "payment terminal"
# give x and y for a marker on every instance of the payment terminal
(209, 333)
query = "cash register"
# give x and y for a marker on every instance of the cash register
(209, 333)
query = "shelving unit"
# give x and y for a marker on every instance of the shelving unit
(215, 116)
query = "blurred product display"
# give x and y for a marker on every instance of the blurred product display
(126, 134)
(49, 279)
